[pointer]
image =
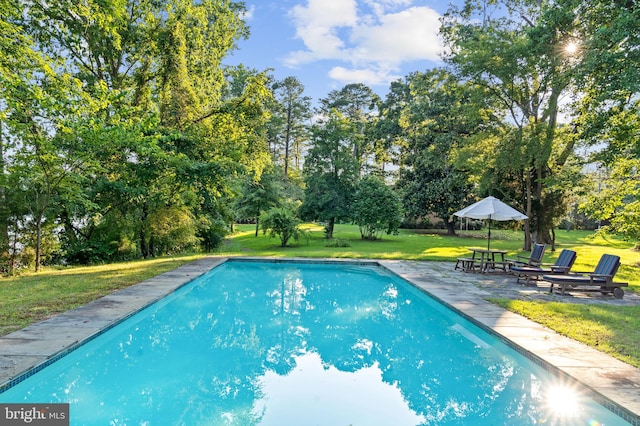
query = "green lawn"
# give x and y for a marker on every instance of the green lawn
(613, 329)
(610, 329)
(31, 297)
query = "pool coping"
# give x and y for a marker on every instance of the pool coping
(612, 382)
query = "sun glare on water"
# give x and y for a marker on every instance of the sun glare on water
(563, 401)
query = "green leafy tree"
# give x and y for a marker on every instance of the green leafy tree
(357, 104)
(154, 115)
(281, 222)
(16, 53)
(605, 49)
(47, 159)
(289, 122)
(606, 55)
(376, 208)
(515, 50)
(389, 137)
(330, 172)
(259, 195)
(615, 195)
(440, 116)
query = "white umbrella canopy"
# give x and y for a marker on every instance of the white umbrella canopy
(491, 208)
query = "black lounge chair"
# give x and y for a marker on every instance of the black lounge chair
(562, 265)
(534, 259)
(601, 278)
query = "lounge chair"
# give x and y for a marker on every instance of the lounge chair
(534, 259)
(601, 278)
(562, 265)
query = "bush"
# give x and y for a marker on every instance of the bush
(281, 222)
(376, 208)
(337, 242)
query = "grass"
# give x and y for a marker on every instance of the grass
(32, 297)
(422, 245)
(409, 244)
(612, 329)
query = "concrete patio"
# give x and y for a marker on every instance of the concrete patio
(612, 382)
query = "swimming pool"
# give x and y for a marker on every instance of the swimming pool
(303, 343)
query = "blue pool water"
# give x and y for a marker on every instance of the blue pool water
(264, 343)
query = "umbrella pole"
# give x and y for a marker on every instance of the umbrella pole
(489, 239)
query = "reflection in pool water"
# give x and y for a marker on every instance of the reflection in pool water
(337, 397)
(291, 344)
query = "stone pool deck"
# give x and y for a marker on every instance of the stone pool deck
(614, 383)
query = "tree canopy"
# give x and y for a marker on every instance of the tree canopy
(124, 135)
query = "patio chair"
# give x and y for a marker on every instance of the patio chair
(562, 265)
(534, 259)
(601, 278)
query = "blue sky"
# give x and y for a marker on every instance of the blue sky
(330, 43)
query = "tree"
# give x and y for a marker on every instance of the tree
(47, 159)
(281, 222)
(258, 196)
(605, 48)
(518, 58)
(615, 197)
(376, 208)
(389, 137)
(357, 104)
(157, 130)
(330, 171)
(606, 57)
(16, 54)
(290, 118)
(440, 116)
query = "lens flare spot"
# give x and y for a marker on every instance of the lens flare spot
(563, 401)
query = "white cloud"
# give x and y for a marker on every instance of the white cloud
(409, 35)
(248, 14)
(317, 25)
(368, 76)
(370, 38)
(380, 7)
(326, 13)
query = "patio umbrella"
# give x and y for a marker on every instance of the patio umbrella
(490, 208)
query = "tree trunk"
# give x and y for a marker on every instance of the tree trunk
(38, 241)
(328, 229)
(152, 246)
(144, 247)
(527, 243)
(544, 215)
(287, 143)
(451, 228)
(4, 222)
(69, 230)
(544, 232)
(257, 224)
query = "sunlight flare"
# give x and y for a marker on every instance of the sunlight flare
(563, 401)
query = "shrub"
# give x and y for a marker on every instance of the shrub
(281, 222)
(337, 242)
(376, 208)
